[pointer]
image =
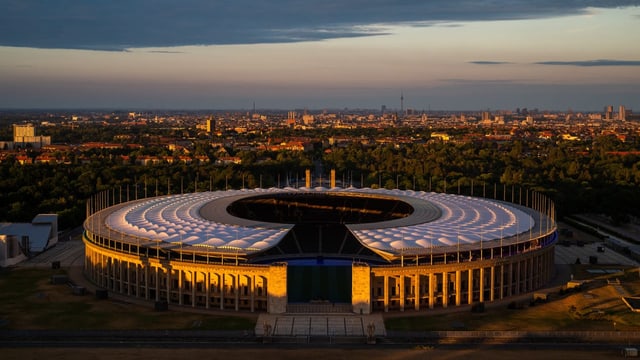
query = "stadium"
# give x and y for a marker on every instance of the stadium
(288, 250)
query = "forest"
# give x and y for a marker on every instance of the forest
(601, 175)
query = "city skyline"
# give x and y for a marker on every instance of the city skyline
(440, 55)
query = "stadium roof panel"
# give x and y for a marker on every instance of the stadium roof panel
(437, 220)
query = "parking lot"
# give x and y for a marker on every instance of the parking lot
(569, 255)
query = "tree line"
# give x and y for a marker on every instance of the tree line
(589, 176)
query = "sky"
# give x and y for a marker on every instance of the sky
(576, 55)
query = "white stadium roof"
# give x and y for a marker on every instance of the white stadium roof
(200, 219)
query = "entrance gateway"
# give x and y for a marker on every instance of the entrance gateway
(319, 250)
(319, 281)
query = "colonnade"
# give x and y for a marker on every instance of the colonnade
(428, 286)
(263, 287)
(223, 287)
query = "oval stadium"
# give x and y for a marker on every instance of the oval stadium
(357, 250)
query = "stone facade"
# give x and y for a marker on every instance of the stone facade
(247, 287)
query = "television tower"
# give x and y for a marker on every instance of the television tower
(401, 103)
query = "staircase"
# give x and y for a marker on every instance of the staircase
(319, 308)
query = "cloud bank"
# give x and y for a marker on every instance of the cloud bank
(602, 62)
(121, 24)
(485, 62)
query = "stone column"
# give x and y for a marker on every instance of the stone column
(470, 286)
(94, 265)
(518, 278)
(108, 274)
(252, 291)
(121, 270)
(194, 283)
(386, 293)
(277, 289)
(445, 289)
(86, 269)
(416, 297)
(510, 280)
(361, 288)
(538, 269)
(237, 291)
(222, 276)
(157, 283)
(169, 276)
(138, 280)
(458, 287)
(530, 273)
(104, 272)
(492, 292)
(112, 277)
(402, 292)
(89, 264)
(180, 286)
(481, 284)
(101, 269)
(128, 278)
(107, 271)
(146, 281)
(432, 279)
(207, 290)
(501, 281)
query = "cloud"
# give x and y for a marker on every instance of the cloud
(165, 52)
(602, 62)
(121, 24)
(483, 62)
(459, 81)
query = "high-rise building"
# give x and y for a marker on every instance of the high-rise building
(25, 135)
(291, 118)
(622, 113)
(211, 125)
(20, 131)
(608, 112)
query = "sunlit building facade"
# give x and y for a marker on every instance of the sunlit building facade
(24, 135)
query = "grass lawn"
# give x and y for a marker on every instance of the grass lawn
(596, 307)
(28, 300)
